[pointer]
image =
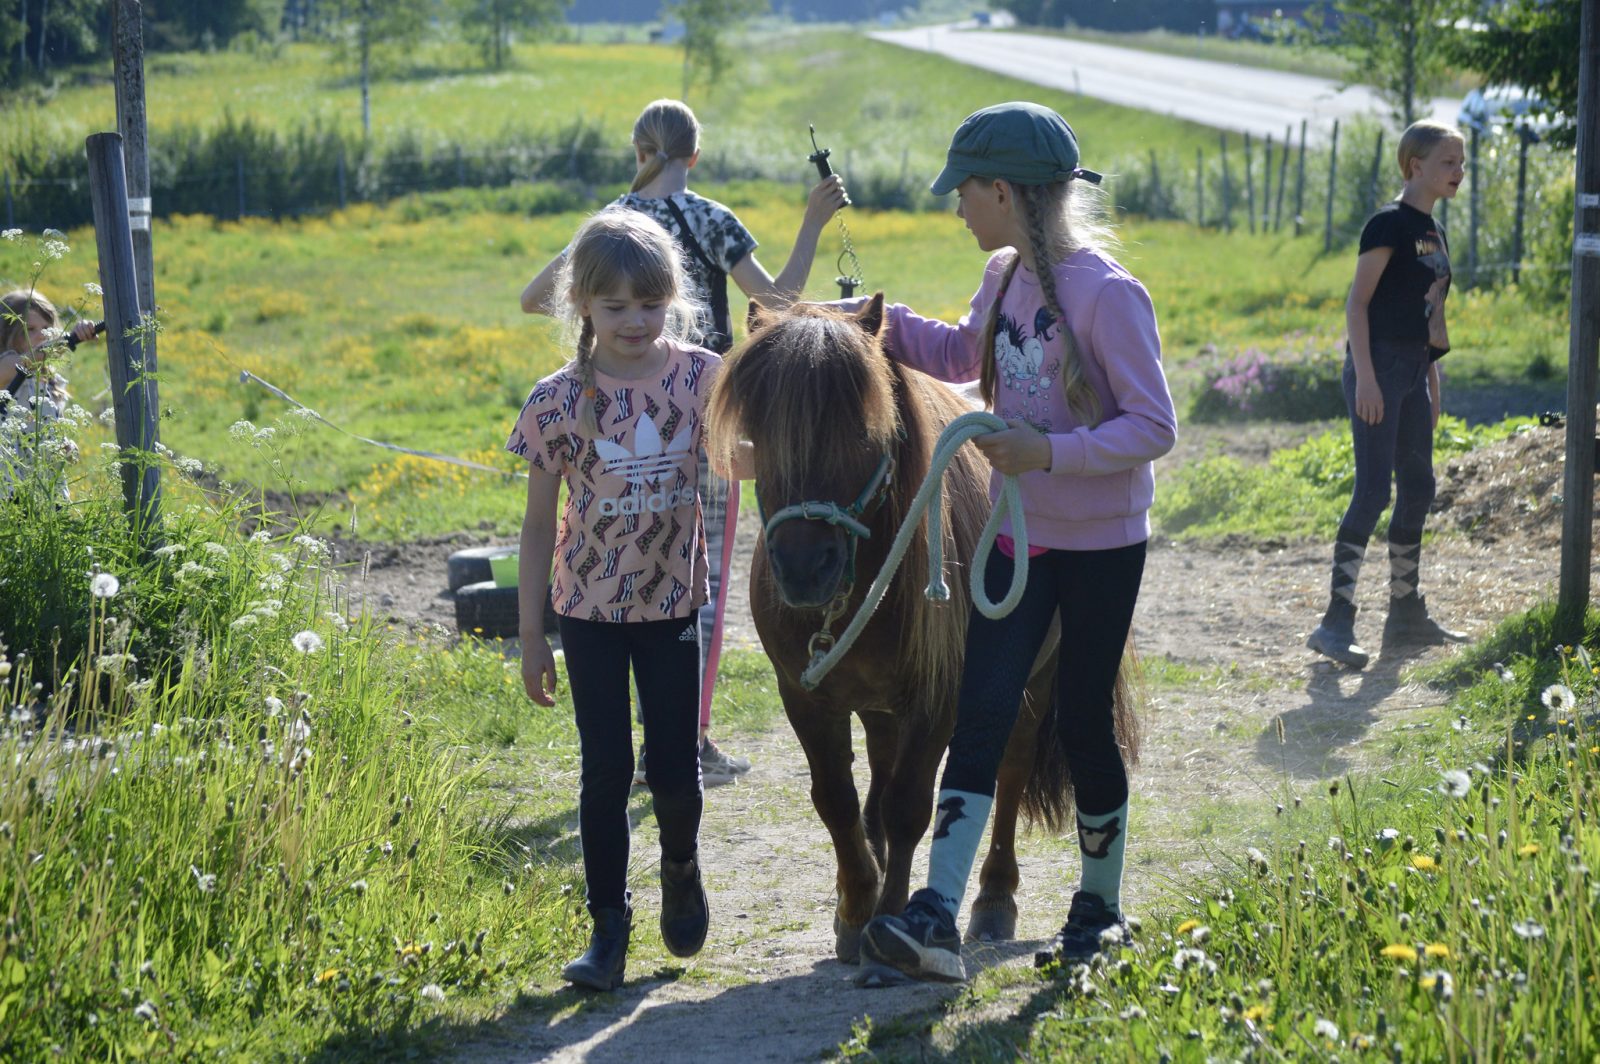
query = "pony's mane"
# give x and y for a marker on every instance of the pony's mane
(815, 377)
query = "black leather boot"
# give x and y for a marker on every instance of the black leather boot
(685, 913)
(1408, 624)
(600, 967)
(1335, 637)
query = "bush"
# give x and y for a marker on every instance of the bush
(1291, 384)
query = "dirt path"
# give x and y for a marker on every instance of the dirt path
(1227, 623)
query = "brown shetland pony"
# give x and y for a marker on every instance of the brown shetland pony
(822, 403)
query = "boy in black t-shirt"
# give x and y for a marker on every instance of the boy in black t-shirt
(1396, 325)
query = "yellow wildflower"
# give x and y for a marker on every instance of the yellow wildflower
(1428, 982)
(1187, 926)
(1399, 951)
(327, 976)
(1437, 949)
(1529, 850)
(1423, 863)
(1255, 1012)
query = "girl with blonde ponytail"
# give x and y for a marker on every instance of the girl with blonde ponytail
(1064, 344)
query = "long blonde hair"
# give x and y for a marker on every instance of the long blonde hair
(1060, 218)
(15, 306)
(665, 130)
(620, 250)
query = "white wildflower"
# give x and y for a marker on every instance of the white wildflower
(58, 234)
(215, 549)
(1200, 934)
(1558, 698)
(108, 416)
(93, 289)
(206, 881)
(1455, 783)
(432, 993)
(264, 435)
(146, 1011)
(307, 642)
(300, 730)
(104, 586)
(12, 235)
(274, 706)
(1132, 1012)
(54, 249)
(189, 467)
(242, 430)
(167, 551)
(359, 886)
(312, 546)
(1528, 929)
(337, 620)
(1326, 1029)
(247, 620)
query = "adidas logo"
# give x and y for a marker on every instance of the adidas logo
(646, 466)
(688, 635)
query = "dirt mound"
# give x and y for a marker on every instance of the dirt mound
(1507, 491)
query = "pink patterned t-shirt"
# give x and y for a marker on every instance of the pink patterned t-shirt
(631, 546)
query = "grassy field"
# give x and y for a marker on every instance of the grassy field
(879, 107)
(401, 323)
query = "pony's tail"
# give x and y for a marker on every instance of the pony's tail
(1047, 797)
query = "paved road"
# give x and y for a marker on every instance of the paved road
(1223, 95)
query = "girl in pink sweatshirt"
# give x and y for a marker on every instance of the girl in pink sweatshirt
(1065, 345)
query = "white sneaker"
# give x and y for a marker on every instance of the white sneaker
(717, 766)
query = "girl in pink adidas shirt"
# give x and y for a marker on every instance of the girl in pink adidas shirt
(622, 424)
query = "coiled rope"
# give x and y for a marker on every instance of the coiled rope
(1009, 504)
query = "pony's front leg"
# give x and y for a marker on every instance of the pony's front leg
(825, 737)
(908, 802)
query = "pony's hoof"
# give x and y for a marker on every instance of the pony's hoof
(846, 941)
(992, 925)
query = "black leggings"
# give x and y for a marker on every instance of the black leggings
(1400, 446)
(1095, 592)
(665, 656)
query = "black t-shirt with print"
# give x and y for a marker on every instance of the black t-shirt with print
(1407, 303)
(720, 237)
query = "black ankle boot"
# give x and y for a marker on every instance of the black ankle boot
(685, 914)
(1335, 637)
(600, 967)
(1408, 624)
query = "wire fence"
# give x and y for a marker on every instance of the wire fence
(1510, 218)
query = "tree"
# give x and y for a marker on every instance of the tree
(705, 22)
(366, 24)
(1531, 44)
(1398, 47)
(489, 23)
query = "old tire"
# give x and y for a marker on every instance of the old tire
(486, 610)
(471, 566)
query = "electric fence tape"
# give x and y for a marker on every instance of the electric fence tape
(245, 377)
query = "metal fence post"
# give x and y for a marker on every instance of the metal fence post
(1333, 172)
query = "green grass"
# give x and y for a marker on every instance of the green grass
(882, 109)
(401, 323)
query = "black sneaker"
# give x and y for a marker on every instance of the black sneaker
(1087, 932)
(921, 942)
(1408, 624)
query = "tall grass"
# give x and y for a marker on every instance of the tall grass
(1445, 911)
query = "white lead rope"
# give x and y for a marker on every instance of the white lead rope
(1009, 504)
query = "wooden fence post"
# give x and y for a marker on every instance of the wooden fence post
(11, 220)
(1333, 172)
(133, 389)
(1526, 136)
(1372, 177)
(1199, 188)
(1300, 184)
(339, 168)
(127, 21)
(238, 168)
(1283, 177)
(1577, 510)
(1227, 198)
(1249, 184)
(1155, 180)
(1472, 212)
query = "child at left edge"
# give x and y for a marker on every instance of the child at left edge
(623, 424)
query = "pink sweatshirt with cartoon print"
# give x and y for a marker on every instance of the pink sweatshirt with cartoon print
(1098, 490)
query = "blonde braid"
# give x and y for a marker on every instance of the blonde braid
(1036, 202)
(588, 419)
(988, 377)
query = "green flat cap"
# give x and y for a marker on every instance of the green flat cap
(1019, 141)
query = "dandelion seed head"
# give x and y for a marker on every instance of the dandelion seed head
(1326, 1029)
(307, 642)
(1528, 929)
(1558, 698)
(432, 992)
(1455, 783)
(104, 586)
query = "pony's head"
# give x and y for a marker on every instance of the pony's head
(815, 394)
